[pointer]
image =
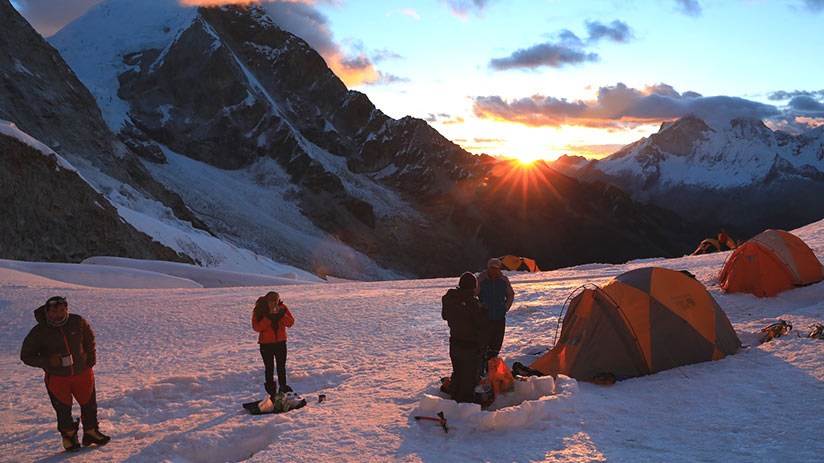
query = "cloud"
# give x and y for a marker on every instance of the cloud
(814, 5)
(410, 12)
(387, 79)
(617, 31)
(806, 105)
(462, 8)
(384, 54)
(443, 118)
(784, 95)
(620, 107)
(691, 7)
(545, 54)
(568, 49)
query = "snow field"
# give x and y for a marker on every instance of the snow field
(175, 365)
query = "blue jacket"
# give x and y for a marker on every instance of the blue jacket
(497, 294)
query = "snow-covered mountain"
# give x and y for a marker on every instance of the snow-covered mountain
(743, 175)
(230, 141)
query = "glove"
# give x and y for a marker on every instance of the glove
(276, 316)
(55, 360)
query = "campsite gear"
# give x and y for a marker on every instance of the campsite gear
(484, 395)
(69, 436)
(642, 322)
(775, 330)
(279, 403)
(816, 331)
(518, 264)
(94, 437)
(441, 420)
(604, 379)
(321, 397)
(769, 263)
(499, 376)
(520, 369)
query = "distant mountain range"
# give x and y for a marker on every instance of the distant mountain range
(744, 176)
(229, 141)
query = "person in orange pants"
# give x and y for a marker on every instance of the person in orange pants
(63, 346)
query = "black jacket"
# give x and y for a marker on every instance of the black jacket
(75, 337)
(462, 311)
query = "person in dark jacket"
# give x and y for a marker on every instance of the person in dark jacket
(270, 318)
(496, 294)
(62, 344)
(462, 311)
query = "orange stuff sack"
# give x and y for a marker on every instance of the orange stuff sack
(500, 376)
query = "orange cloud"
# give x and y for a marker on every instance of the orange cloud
(234, 2)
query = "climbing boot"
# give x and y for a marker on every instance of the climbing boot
(70, 443)
(94, 436)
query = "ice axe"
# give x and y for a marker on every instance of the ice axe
(440, 420)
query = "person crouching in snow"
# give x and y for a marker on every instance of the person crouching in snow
(270, 318)
(62, 344)
(462, 311)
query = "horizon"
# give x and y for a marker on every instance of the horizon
(554, 78)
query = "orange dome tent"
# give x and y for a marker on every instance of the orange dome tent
(511, 262)
(769, 263)
(642, 322)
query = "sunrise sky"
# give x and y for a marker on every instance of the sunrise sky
(540, 78)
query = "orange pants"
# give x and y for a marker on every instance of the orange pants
(81, 387)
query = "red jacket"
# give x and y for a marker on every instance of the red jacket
(268, 333)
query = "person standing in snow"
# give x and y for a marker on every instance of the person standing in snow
(496, 294)
(62, 344)
(270, 319)
(466, 319)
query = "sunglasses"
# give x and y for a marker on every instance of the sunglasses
(57, 301)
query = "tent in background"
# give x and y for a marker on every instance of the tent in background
(771, 262)
(711, 245)
(642, 322)
(520, 264)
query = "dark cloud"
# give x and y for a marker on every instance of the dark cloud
(784, 95)
(545, 54)
(690, 7)
(619, 107)
(569, 49)
(806, 106)
(462, 8)
(814, 5)
(617, 31)
(384, 54)
(49, 16)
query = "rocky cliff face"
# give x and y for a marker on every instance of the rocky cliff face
(51, 214)
(44, 98)
(744, 177)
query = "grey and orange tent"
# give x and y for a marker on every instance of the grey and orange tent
(520, 264)
(642, 322)
(771, 262)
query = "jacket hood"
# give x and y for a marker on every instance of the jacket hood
(40, 314)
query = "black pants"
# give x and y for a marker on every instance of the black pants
(271, 353)
(495, 330)
(466, 364)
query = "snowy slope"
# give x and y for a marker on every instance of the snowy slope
(175, 364)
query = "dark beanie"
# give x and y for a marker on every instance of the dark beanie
(468, 281)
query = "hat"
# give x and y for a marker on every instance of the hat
(494, 262)
(468, 281)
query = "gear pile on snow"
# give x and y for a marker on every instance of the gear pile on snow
(278, 403)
